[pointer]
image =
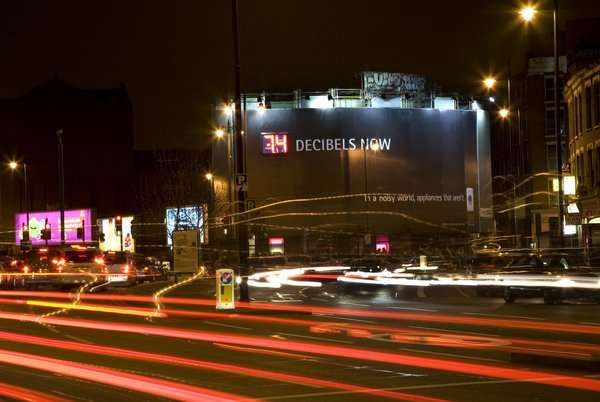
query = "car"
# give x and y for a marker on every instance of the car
(553, 277)
(120, 268)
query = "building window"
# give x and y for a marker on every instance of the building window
(551, 157)
(597, 102)
(575, 123)
(580, 114)
(549, 122)
(590, 162)
(549, 88)
(588, 108)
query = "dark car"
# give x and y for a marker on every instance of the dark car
(554, 277)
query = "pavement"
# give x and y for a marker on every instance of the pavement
(295, 344)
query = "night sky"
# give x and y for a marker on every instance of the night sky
(175, 56)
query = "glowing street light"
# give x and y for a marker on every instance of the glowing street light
(13, 165)
(209, 176)
(228, 109)
(504, 112)
(219, 133)
(527, 13)
(489, 82)
(492, 99)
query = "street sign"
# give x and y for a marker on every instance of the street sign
(185, 250)
(241, 182)
(225, 289)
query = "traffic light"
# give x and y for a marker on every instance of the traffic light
(118, 224)
(47, 232)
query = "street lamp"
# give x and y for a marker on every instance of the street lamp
(504, 113)
(13, 165)
(527, 14)
(209, 176)
(228, 109)
(489, 82)
(219, 133)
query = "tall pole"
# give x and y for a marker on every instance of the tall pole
(367, 197)
(26, 195)
(510, 141)
(557, 132)
(61, 184)
(239, 152)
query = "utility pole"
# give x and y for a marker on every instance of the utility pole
(61, 184)
(557, 131)
(239, 153)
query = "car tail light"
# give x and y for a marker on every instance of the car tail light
(126, 269)
(13, 263)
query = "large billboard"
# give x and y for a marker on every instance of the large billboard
(372, 168)
(113, 239)
(74, 218)
(186, 218)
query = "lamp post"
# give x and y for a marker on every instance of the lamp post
(240, 165)
(61, 184)
(528, 14)
(14, 166)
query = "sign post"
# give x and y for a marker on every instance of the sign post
(225, 289)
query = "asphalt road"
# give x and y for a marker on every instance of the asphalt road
(296, 344)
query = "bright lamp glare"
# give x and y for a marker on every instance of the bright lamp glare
(489, 82)
(492, 99)
(527, 13)
(504, 113)
(208, 176)
(228, 109)
(219, 133)
(13, 165)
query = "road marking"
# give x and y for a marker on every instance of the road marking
(413, 308)
(227, 325)
(453, 355)
(507, 316)
(314, 337)
(78, 339)
(344, 318)
(455, 331)
(355, 304)
(428, 386)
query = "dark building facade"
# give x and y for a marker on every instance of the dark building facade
(582, 92)
(524, 156)
(97, 129)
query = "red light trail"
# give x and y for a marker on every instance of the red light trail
(475, 369)
(228, 368)
(117, 378)
(26, 395)
(363, 313)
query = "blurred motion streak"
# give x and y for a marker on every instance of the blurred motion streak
(27, 395)
(207, 365)
(361, 313)
(98, 309)
(117, 378)
(319, 349)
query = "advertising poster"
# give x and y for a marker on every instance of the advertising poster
(112, 237)
(38, 219)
